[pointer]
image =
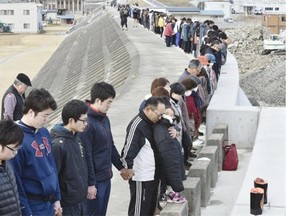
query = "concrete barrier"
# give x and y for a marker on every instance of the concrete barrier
(200, 169)
(175, 209)
(217, 140)
(221, 128)
(211, 152)
(192, 193)
(229, 105)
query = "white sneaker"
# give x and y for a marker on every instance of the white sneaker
(198, 143)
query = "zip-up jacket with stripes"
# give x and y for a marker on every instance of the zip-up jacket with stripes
(139, 149)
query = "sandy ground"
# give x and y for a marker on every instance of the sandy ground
(27, 53)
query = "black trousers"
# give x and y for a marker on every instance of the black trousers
(75, 210)
(143, 197)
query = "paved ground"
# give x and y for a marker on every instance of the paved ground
(157, 60)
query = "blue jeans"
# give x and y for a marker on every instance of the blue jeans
(99, 205)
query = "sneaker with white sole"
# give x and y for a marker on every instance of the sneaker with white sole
(174, 197)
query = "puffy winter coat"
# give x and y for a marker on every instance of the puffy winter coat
(9, 200)
(171, 159)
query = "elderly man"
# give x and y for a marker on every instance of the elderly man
(192, 71)
(13, 99)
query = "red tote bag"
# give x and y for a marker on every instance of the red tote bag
(230, 159)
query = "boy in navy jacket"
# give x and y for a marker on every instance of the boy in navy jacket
(34, 165)
(100, 150)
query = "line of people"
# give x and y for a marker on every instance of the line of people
(68, 170)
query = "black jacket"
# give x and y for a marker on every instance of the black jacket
(18, 111)
(71, 165)
(171, 158)
(136, 151)
(9, 199)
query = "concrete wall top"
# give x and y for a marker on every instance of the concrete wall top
(267, 162)
(231, 106)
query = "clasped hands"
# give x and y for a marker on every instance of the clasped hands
(126, 173)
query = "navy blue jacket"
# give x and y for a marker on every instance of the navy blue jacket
(100, 151)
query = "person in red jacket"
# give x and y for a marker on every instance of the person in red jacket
(168, 32)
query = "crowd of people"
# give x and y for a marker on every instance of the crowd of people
(68, 170)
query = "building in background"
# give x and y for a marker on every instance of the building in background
(258, 7)
(22, 17)
(275, 23)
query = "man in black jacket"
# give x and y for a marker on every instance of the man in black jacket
(139, 153)
(69, 157)
(13, 98)
(11, 137)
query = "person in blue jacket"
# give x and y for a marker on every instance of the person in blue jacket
(100, 150)
(34, 165)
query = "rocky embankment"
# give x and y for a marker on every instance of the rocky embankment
(262, 77)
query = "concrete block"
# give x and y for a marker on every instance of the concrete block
(221, 128)
(217, 140)
(200, 169)
(175, 209)
(211, 152)
(192, 193)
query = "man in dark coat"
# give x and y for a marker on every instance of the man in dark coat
(13, 98)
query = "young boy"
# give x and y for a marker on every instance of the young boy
(69, 157)
(34, 165)
(11, 137)
(100, 150)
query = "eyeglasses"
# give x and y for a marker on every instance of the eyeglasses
(158, 115)
(83, 120)
(14, 150)
(198, 70)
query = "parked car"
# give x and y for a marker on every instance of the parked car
(258, 11)
(228, 19)
(5, 27)
(44, 24)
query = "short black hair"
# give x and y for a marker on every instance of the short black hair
(177, 88)
(39, 100)
(153, 102)
(10, 133)
(103, 91)
(73, 109)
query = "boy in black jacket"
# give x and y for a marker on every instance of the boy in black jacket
(69, 157)
(11, 137)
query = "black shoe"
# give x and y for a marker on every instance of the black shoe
(163, 197)
(187, 163)
(191, 154)
(200, 134)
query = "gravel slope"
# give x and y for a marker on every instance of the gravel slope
(262, 77)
